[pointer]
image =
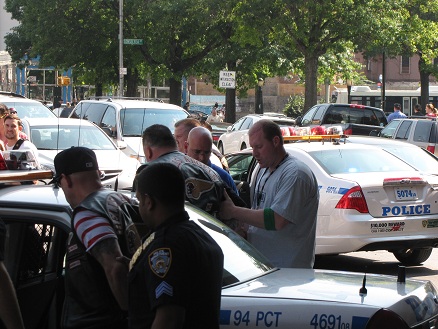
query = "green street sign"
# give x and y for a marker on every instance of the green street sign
(133, 41)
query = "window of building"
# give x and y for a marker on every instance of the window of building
(405, 64)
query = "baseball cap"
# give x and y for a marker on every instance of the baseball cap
(75, 159)
(397, 105)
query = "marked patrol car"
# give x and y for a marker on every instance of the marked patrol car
(369, 199)
(254, 294)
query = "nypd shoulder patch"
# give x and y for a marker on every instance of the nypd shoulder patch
(160, 261)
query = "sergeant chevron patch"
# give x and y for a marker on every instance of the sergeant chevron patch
(163, 288)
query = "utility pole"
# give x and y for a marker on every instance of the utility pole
(121, 69)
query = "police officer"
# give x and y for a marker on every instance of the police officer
(175, 277)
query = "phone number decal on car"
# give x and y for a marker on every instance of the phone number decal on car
(245, 318)
(387, 227)
(332, 321)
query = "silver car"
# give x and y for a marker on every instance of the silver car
(51, 136)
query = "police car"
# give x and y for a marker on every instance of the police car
(369, 199)
(254, 294)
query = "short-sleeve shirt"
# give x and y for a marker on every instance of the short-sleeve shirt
(396, 115)
(292, 192)
(2, 240)
(180, 265)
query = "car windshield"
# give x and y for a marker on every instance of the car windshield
(344, 161)
(242, 261)
(135, 121)
(30, 109)
(63, 137)
(416, 157)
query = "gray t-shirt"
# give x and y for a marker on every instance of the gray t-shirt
(292, 192)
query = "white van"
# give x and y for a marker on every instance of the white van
(125, 120)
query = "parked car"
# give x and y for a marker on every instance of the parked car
(422, 132)
(352, 119)
(25, 107)
(254, 294)
(236, 137)
(51, 136)
(369, 199)
(125, 120)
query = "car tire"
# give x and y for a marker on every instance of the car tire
(413, 256)
(243, 146)
(221, 147)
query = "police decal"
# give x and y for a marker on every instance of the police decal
(406, 210)
(160, 261)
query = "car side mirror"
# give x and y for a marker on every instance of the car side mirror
(374, 133)
(122, 145)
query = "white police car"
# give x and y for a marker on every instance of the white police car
(254, 294)
(369, 199)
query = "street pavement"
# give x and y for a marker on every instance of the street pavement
(380, 262)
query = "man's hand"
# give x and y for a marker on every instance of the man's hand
(227, 207)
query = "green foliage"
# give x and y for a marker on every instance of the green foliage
(294, 106)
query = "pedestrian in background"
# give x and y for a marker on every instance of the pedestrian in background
(431, 111)
(175, 278)
(96, 286)
(66, 110)
(10, 313)
(397, 113)
(418, 111)
(284, 205)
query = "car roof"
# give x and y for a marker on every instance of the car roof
(371, 140)
(35, 122)
(133, 103)
(321, 146)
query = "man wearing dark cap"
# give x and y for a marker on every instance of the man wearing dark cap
(397, 113)
(102, 230)
(175, 279)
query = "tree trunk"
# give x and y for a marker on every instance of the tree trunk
(424, 82)
(132, 83)
(311, 81)
(230, 98)
(175, 91)
(99, 89)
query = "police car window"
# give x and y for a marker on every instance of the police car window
(390, 129)
(241, 260)
(420, 158)
(423, 129)
(403, 131)
(344, 161)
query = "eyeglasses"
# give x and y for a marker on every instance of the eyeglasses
(57, 180)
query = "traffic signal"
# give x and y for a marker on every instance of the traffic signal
(63, 81)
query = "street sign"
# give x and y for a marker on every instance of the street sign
(227, 79)
(123, 71)
(137, 42)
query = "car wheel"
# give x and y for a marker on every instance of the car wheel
(243, 146)
(412, 256)
(221, 147)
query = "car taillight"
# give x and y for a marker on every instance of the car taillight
(348, 131)
(387, 319)
(353, 199)
(431, 148)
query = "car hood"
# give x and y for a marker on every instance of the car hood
(339, 287)
(107, 159)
